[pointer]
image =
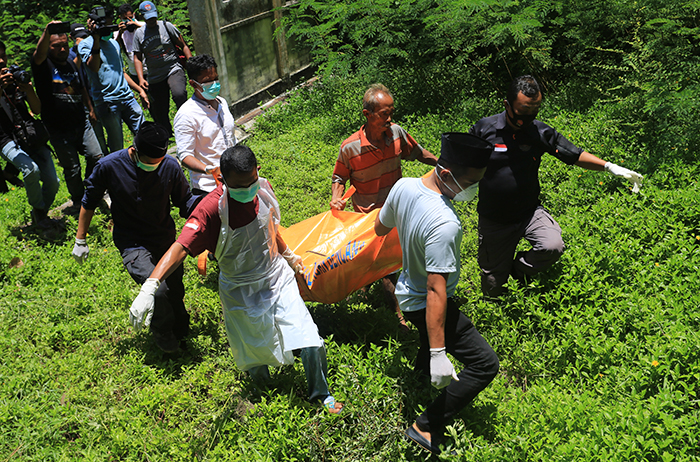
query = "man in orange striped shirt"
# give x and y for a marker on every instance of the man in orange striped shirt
(371, 159)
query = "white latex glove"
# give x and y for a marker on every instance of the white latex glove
(626, 173)
(294, 261)
(441, 369)
(80, 250)
(141, 310)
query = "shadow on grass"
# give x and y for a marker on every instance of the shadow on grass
(362, 318)
(172, 364)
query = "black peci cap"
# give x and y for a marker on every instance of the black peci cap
(465, 149)
(151, 140)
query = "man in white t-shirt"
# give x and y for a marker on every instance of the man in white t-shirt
(127, 27)
(430, 234)
(203, 126)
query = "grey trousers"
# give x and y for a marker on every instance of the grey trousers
(315, 368)
(498, 241)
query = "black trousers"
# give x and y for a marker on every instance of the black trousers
(159, 94)
(169, 314)
(465, 343)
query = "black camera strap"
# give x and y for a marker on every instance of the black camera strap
(13, 113)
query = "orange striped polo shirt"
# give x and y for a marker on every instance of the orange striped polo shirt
(373, 170)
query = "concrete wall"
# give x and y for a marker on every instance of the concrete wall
(254, 65)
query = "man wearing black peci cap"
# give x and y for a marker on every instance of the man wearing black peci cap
(430, 234)
(142, 181)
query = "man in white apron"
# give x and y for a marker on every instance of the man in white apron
(265, 316)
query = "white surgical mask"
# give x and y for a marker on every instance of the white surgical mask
(465, 194)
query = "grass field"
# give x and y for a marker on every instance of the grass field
(600, 355)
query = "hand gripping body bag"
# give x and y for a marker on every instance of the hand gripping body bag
(341, 253)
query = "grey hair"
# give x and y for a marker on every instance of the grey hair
(369, 101)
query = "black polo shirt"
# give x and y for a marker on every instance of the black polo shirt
(510, 188)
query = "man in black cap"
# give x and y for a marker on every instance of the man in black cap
(430, 234)
(142, 181)
(509, 203)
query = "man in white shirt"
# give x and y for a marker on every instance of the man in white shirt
(203, 126)
(127, 27)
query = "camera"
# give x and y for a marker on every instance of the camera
(59, 28)
(99, 16)
(130, 26)
(18, 74)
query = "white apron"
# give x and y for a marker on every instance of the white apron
(264, 313)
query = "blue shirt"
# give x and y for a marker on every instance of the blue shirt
(108, 84)
(430, 234)
(140, 200)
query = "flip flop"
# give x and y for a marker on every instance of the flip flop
(416, 437)
(332, 406)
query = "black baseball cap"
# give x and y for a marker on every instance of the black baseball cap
(78, 31)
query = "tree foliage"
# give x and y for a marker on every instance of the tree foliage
(446, 49)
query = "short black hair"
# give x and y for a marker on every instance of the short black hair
(238, 159)
(198, 64)
(525, 84)
(2, 46)
(124, 9)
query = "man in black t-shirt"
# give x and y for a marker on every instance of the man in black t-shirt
(63, 101)
(509, 205)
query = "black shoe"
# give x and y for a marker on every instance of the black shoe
(41, 220)
(166, 342)
(413, 435)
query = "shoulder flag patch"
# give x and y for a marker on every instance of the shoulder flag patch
(500, 148)
(192, 223)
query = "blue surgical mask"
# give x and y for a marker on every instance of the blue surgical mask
(145, 167)
(244, 195)
(210, 90)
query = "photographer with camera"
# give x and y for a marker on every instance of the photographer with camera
(127, 27)
(113, 99)
(23, 139)
(63, 101)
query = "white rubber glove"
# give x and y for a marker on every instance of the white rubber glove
(80, 250)
(626, 173)
(441, 369)
(141, 310)
(293, 260)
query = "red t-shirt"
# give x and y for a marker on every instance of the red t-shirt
(201, 231)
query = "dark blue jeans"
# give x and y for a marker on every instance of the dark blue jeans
(169, 314)
(465, 343)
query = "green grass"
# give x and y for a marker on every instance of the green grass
(599, 354)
